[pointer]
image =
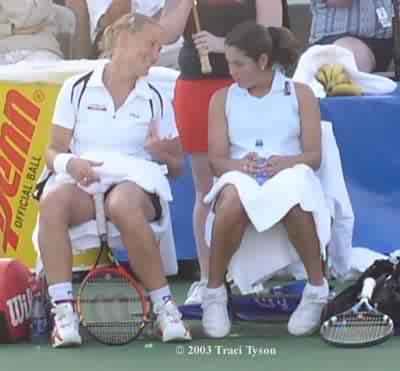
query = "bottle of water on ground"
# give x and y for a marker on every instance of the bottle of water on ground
(261, 176)
(40, 326)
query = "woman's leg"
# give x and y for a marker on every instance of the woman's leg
(230, 224)
(302, 234)
(132, 219)
(60, 209)
(63, 207)
(131, 210)
(363, 55)
(203, 180)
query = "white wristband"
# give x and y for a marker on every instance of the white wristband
(60, 162)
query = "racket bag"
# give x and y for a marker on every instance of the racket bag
(380, 270)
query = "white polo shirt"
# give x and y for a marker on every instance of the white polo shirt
(98, 127)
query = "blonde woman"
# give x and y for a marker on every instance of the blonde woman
(113, 113)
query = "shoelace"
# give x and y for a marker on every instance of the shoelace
(214, 299)
(171, 311)
(60, 316)
(195, 286)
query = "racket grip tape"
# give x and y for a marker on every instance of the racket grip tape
(100, 213)
(368, 288)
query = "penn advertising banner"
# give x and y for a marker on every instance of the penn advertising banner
(26, 111)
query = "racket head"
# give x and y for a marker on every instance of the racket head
(112, 306)
(357, 327)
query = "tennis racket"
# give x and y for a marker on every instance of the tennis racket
(362, 325)
(112, 305)
(204, 58)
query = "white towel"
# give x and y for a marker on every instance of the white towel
(116, 168)
(318, 55)
(265, 248)
(56, 72)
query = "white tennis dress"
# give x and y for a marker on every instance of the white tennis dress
(275, 119)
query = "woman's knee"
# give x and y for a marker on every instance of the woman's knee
(229, 202)
(66, 204)
(127, 204)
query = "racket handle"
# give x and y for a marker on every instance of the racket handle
(100, 213)
(204, 58)
(368, 288)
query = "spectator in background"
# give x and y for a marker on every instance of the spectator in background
(362, 26)
(28, 31)
(94, 16)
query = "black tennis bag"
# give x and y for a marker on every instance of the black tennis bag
(387, 297)
(386, 294)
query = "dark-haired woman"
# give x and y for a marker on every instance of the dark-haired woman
(194, 89)
(265, 127)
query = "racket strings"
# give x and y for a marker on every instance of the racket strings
(357, 328)
(112, 310)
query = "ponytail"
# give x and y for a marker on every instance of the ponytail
(284, 46)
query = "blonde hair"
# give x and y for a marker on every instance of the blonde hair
(132, 22)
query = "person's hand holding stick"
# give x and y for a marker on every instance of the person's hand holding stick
(204, 59)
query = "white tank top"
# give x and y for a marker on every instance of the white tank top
(274, 118)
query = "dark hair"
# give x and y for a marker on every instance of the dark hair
(253, 39)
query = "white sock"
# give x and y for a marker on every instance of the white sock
(159, 296)
(61, 292)
(215, 291)
(319, 288)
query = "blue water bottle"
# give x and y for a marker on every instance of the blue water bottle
(261, 177)
(40, 328)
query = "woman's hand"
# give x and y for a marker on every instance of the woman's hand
(248, 164)
(205, 42)
(30, 30)
(157, 147)
(82, 171)
(276, 164)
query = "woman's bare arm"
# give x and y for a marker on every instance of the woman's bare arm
(83, 45)
(218, 139)
(174, 18)
(310, 116)
(60, 141)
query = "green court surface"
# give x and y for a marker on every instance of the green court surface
(251, 346)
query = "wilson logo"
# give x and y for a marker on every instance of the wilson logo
(20, 308)
(15, 141)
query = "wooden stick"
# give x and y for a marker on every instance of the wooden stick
(204, 58)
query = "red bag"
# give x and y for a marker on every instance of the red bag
(15, 301)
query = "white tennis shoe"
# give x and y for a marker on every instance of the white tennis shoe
(66, 326)
(216, 321)
(306, 319)
(170, 324)
(195, 293)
